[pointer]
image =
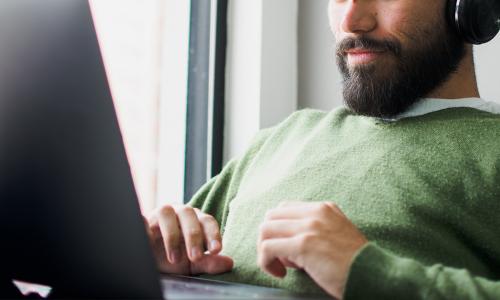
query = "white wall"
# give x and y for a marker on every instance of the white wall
(129, 35)
(261, 71)
(488, 69)
(319, 80)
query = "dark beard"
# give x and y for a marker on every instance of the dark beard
(384, 93)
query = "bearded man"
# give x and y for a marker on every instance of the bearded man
(395, 196)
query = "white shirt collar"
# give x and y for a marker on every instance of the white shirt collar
(429, 105)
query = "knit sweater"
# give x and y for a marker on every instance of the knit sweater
(425, 191)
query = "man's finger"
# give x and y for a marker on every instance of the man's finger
(289, 264)
(336, 208)
(276, 268)
(210, 227)
(212, 264)
(269, 254)
(282, 228)
(192, 232)
(171, 234)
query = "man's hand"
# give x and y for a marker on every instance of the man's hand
(315, 237)
(186, 241)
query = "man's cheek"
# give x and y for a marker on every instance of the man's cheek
(335, 17)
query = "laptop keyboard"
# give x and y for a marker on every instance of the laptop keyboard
(209, 290)
(188, 288)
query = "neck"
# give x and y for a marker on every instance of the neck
(462, 83)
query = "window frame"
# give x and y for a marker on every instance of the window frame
(206, 93)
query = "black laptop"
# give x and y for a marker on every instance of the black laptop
(70, 224)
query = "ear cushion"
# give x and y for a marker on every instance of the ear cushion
(477, 21)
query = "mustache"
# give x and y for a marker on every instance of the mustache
(367, 43)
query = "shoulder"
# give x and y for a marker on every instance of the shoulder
(305, 117)
(297, 125)
(306, 120)
(473, 131)
(460, 119)
(301, 125)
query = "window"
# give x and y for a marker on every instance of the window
(167, 81)
(205, 110)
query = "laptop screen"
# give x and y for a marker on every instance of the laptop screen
(69, 216)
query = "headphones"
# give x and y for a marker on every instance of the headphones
(476, 21)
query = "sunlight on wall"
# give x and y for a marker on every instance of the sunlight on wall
(129, 34)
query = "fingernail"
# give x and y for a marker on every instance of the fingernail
(195, 253)
(175, 256)
(214, 245)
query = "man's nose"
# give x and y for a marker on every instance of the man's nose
(359, 17)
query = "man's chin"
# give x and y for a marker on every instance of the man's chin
(371, 91)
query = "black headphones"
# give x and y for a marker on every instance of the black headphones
(476, 21)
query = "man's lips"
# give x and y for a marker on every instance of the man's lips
(362, 56)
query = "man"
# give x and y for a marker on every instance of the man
(394, 197)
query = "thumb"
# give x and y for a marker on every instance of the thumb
(212, 264)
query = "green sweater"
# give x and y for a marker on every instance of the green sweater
(425, 191)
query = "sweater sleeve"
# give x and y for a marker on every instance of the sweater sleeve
(378, 274)
(214, 196)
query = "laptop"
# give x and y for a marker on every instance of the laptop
(70, 223)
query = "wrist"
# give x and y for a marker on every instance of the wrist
(340, 290)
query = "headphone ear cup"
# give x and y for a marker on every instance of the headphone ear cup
(477, 21)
